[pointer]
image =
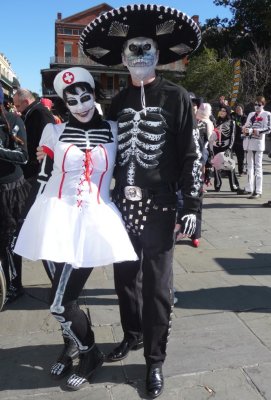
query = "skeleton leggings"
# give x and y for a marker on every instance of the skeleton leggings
(67, 284)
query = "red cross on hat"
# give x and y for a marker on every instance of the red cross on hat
(68, 78)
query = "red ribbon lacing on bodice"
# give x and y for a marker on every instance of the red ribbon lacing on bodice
(88, 169)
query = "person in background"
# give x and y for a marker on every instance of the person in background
(35, 117)
(203, 116)
(49, 105)
(73, 223)
(158, 153)
(239, 118)
(222, 140)
(258, 123)
(13, 193)
(203, 140)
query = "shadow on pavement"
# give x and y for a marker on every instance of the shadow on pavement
(27, 367)
(238, 299)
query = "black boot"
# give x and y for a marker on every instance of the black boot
(121, 351)
(89, 361)
(64, 361)
(154, 381)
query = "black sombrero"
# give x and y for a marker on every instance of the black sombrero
(176, 34)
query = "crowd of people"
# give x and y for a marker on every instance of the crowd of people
(164, 147)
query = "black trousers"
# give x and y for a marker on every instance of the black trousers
(67, 284)
(240, 154)
(144, 287)
(233, 181)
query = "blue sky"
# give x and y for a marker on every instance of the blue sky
(27, 29)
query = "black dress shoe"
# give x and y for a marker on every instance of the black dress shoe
(121, 351)
(255, 196)
(154, 382)
(242, 192)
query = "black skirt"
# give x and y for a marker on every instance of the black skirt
(12, 200)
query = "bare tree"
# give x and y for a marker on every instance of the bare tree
(255, 74)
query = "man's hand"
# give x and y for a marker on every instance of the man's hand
(40, 153)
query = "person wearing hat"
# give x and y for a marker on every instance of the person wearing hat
(73, 223)
(221, 141)
(49, 105)
(158, 153)
(13, 193)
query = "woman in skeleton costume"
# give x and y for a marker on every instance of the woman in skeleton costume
(222, 141)
(73, 223)
(13, 193)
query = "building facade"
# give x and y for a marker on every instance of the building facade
(8, 78)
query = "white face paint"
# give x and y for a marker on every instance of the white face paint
(81, 105)
(140, 56)
(258, 107)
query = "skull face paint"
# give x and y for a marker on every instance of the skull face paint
(81, 105)
(140, 56)
(258, 108)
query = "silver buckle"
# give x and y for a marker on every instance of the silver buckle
(133, 193)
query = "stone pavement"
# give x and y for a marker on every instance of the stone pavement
(220, 344)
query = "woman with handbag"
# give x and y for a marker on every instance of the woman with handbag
(222, 141)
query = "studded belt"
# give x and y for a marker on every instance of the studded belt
(135, 193)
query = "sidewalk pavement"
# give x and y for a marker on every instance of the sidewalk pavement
(220, 343)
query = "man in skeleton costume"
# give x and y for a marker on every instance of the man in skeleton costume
(258, 123)
(222, 140)
(73, 222)
(158, 152)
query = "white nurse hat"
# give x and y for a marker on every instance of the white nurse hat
(70, 76)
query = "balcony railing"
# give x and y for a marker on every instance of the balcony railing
(5, 80)
(77, 61)
(176, 66)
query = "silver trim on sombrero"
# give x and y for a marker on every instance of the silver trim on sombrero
(165, 27)
(118, 29)
(97, 52)
(181, 49)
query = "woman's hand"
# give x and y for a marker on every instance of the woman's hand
(40, 153)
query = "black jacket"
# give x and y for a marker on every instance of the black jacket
(158, 145)
(35, 117)
(12, 155)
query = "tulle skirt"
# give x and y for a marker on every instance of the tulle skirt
(91, 236)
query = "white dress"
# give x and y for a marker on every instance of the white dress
(74, 220)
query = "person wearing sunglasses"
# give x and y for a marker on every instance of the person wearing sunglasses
(258, 123)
